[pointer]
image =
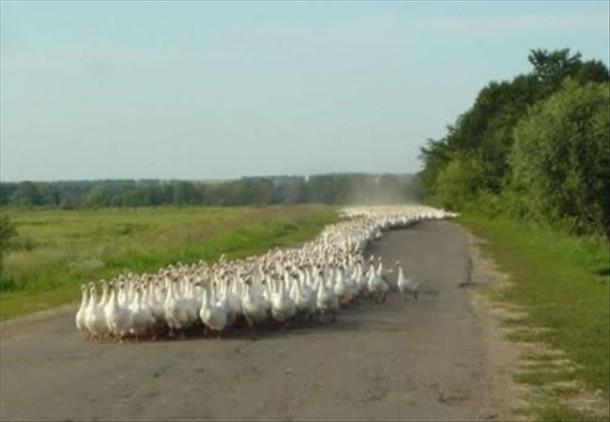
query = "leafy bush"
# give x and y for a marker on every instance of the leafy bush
(561, 158)
(7, 233)
(7, 283)
(458, 183)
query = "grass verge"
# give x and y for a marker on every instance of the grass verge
(68, 247)
(562, 281)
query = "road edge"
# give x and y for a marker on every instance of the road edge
(14, 326)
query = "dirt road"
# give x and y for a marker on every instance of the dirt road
(427, 359)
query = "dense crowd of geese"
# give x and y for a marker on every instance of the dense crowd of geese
(283, 285)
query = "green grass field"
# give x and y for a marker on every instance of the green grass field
(563, 281)
(60, 249)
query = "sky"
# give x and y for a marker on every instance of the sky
(205, 90)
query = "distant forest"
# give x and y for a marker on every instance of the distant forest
(329, 188)
(536, 147)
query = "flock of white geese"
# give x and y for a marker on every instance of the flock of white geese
(313, 281)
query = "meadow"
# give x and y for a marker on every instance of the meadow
(562, 281)
(57, 250)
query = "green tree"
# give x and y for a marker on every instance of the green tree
(592, 71)
(459, 183)
(26, 194)
(561, 157)
(554, 66)
(184, 193)
(471, 164)
(99, 196)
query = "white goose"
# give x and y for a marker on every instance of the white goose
(174, 314)
(376, 284)
(189, 303)
(214, 310)
(282, 306)
(155, 303)
(340, 288)
(118, 317)
(104, 297)
(326, 301)
(95, 321)
(305, 297)
(80, 315)
(142, 319)
(406, 286)
(253, 305)
(233, 301)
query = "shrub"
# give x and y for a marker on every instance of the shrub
(7, 233)
(561, 158)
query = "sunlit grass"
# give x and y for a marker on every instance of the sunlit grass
(76, 246)
(563, 282)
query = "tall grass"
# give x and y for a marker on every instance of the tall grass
(69, 247)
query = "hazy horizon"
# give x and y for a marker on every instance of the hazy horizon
(205, 180)
(216, 91)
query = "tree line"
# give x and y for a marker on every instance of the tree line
(535, 147)
(328, 188)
